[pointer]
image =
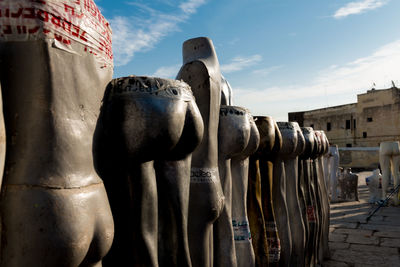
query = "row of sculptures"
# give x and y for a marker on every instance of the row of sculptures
(145, 171)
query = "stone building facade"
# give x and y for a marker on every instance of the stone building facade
(373, 119)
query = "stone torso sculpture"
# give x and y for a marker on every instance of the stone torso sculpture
(270, 144)
(233, 138)
(323, 247)
(54, 208)
(201, 72)
(240, 170)
(334, 171)
(389, 159)
(306, 186)
(143, 120)
(374, 183)
(293, 140)
(349, 185)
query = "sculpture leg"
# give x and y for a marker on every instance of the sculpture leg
(281, 212)
(396, 178)
(334, 177)
(385, 161)
(173, 207)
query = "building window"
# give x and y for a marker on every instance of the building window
(364, 134)
(349, 145)
(328, 126)
(348, 124)
(312, 126)
(369, 119)
(354, 124)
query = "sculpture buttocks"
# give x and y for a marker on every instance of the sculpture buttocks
(143, 120)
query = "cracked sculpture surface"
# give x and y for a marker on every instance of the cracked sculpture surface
(145, 134)
(240, 184)
(201, 71)
(270, 144)
(54, 208)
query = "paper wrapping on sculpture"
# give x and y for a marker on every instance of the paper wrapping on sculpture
(65, 22)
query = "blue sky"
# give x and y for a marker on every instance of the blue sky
(278, 55)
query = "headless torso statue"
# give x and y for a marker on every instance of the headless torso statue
(389, 159)
(54, 208)
(145, 133)
(240, 172)
(293, 140)
(233, 138)
(201, 71)
(270, 144)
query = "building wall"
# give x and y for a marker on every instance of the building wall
(373, 119)
(378, 113)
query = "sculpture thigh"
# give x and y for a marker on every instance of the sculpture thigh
(50, 240)
(173, 186)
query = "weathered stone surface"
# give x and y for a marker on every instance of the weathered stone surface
(387, 234)
(362, 239)
(340, 224)
(338, 245)
(337, 237)
(353, 231)
(379, 227)
(368, 248)
(335, 264)
(356, 243)
(361, 257)
(390, 242)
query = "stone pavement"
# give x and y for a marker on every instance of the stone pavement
(355, 243)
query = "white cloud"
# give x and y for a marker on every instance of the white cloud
(335, 85)
(189, 7)
(353, 8)
(239, 63)
(266, 71)
(167, 71)
(146, 29)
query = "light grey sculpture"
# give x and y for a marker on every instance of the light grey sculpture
(226, 92)
(389, 159)
(334, 171)
(240, 170)
(54, 208)
(270, 144)
(201, 71)
(374, 183)
(145, 133)
(233, 138)
(293, 140)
